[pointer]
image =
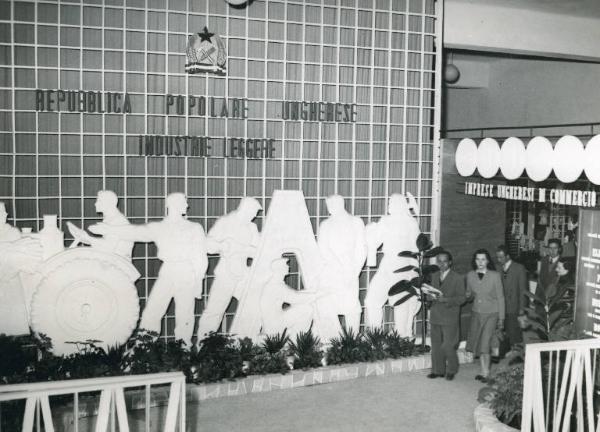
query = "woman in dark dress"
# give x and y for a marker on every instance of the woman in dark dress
(484, 287)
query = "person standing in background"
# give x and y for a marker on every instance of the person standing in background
(515, 285)
(484, 286)
(445, 318)
(547, 276)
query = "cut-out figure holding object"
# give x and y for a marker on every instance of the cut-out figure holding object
(235, 238)
(182, 249)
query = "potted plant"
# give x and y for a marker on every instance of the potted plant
(417, 286)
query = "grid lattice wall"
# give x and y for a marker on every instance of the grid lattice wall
(378, 54)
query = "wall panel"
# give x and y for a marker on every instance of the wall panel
(379, 55)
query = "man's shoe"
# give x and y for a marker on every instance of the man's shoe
(432, 375)
(449, 377)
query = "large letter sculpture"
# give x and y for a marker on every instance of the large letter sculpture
(398, 232)
(286, 229)
(182, 249)
(343, 245)
(235, 238)
(282, 307)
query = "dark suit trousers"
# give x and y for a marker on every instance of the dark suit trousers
(444, 341)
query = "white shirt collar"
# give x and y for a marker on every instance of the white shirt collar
(507, 265)
(444, 274)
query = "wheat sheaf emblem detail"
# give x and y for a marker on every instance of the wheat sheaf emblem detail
(205, 53)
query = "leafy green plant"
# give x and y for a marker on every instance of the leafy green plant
(376, 338)
(552, 317)
(397, 346)
(216, 358)
(267, 363)
(413, 287)
(276, 342)
(91, 361)
(146, 354)
(504, 394)
(348, 347)
(306, 349)
(14, 356)
(248, 349)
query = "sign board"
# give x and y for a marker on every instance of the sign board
(587, 295)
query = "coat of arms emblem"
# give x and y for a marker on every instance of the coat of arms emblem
(205, 53)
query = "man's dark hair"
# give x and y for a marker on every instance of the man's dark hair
(555, 241)
(447, 253)
(504, 250)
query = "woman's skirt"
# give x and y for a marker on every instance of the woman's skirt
(483, 326)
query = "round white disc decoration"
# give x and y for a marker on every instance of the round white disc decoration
(512, 158)
(466, 157)
(568, 159)
(591, 163)
(538, 158)
(488, 157)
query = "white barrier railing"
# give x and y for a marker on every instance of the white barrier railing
(111, 406)
(559, 386)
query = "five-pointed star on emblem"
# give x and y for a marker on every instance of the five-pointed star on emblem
(205, 35)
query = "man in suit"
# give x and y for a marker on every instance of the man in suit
(445, 318)
(515, 285)
(547, 276)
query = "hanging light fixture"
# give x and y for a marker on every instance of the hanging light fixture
(451, 72)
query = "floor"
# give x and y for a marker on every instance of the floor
(402, 402)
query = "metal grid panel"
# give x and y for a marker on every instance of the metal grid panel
(380, 55)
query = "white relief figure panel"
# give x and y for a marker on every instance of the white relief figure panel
(91, 291)
(395, 232)
(286, 229)
(343, 246)
(182, 249)
(106, 204)
(18, 254)
(235, 238)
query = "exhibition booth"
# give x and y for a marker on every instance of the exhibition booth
(523, 192)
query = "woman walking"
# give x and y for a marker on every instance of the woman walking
(484, 288)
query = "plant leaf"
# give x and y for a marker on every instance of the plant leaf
(558, 306)
(416, 282)
(406, 268)
(433, 252)
(429, 269)
(403, 299)
(559, 295)
(423, 242)
(408, 254)
(400, 287)
(534, 297)
(536, 325)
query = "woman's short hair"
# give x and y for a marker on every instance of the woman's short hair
(568, 264)
(490, 264)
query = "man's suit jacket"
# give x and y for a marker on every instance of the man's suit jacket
(547, 278)
(515, 284)
(453, 287)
